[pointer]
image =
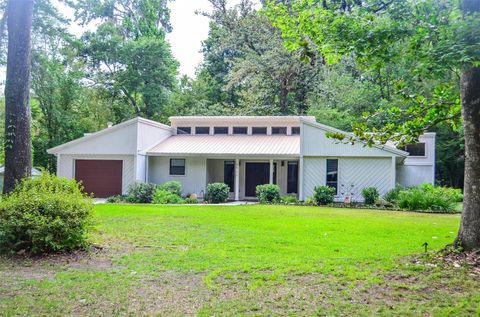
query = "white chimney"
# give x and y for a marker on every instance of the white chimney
(109, 124)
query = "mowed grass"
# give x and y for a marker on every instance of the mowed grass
(247, 260)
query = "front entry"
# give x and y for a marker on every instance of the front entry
(256, 174)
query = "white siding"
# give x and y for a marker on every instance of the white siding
(365, 172)
(66, 166)
(413, 175)
(314, 174)
(119, 141)
(359, 172)
(194, 180)
(150, 135)
(417, 170)
(315, 143)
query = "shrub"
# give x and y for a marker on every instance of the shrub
(165, 197)
(45, 214)
(141, 193)
(290, 199)
(427, 197)
(370, 194)
(392, 195)
(217, 193)
(117, 199)
(173, 186)
(190, 200)
(310, 201)
(268, 193)
(324, 195)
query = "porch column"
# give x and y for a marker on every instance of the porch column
(300, 179)
(271, 172)
(237, 179)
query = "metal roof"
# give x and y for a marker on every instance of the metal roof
(236, 145)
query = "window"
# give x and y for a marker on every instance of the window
(177, 166)
(259, 130)
(202, 130)
(332, 174)
(417, 149)
(279, 130)
(240, 130)
(184, 130)
(229, 174)
(292, 177)
(295, 130)
(220, 130)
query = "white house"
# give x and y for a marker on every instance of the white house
(241, 151)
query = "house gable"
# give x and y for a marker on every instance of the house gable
(316, 143)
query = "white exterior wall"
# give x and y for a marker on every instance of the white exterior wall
(194, 180)
(66, 166)
(359, 172)
(419, 169)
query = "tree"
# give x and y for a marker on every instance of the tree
(128, 55)
(437, 38)
(18, 153)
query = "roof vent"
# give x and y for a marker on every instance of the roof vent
(109, 124)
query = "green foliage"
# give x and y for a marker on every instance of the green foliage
(190, 200)
(163, 196)
(217, 193)
(392, 195)
(268, 193)
(45, 214)
(173, 187)
(370, 195)
(118, 199)
(141, 193)
(323, 195)
(290, 199)
(429, 197)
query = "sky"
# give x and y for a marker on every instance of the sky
(189, 30)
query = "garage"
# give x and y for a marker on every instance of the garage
(103, 178)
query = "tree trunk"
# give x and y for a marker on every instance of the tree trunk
(18, 149)
(469, 233)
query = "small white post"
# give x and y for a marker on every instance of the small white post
(271, 172)
(237, 179)
(300, 179)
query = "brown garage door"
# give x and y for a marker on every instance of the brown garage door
(103, 178)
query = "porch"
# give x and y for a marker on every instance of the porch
(242, 175)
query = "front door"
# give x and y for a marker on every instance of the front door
(256, 174)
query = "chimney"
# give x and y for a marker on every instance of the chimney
(109, 124)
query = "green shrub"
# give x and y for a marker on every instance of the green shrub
(370, 195)
(190, 200)
(324, 195)
(141, 193)
(173, 186)
(428, 197)
(45, 214)
(310, 201)
(392, 195)
(165, 197)
(268, 193)
(217, 193)
(289, 199)
(118, 199)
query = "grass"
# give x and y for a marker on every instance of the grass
(247, 260)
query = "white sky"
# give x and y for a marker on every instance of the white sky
(189, 30)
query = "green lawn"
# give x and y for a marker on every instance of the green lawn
(247, 260)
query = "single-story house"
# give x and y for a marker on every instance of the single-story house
(243, 152)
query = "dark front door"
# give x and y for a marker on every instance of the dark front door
(103, 178)
(256, 174)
